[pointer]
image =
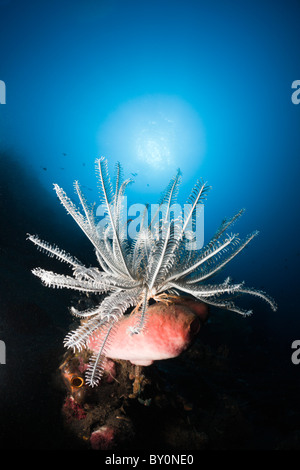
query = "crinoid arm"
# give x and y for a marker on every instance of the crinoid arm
(262, 295)
(95, 367)
(176, 241)
(141, 311)
(89, 216)
(107, 196)
(206, 291)
(226, 223)
(217, 249)
(84, 313)
(210, 267)
(102, 322)
(54, 252)
(227, 305)
(158, 258)
(141, 250)
(77, 339)
(167, 199)
(104, 257)
(59, 281)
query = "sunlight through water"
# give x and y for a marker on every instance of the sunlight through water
(152, 136)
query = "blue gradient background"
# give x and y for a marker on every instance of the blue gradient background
(81, 77)
(71, 67)
(210, 79)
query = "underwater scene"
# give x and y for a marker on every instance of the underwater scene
(150, 211)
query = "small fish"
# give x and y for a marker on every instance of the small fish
(45, 169)
(134, 174)
(64, 154)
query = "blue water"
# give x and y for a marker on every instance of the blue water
(204, 86)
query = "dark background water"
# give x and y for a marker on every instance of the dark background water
(156, 85)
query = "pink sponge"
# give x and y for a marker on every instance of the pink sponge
(169, 331)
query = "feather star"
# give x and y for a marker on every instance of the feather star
(155, 265)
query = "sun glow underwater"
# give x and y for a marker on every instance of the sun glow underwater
(151, 133)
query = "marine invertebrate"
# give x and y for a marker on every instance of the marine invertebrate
(155, 265)
(170, 330)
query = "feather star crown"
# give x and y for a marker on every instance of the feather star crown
(155, 265)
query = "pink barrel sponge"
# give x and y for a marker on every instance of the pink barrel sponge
(169, 331)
